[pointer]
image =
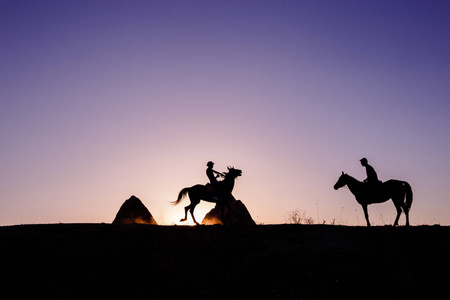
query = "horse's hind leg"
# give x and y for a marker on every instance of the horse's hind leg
(399, 212)
(407, 216)
(406, 211)
(192, 214)
(185, 213)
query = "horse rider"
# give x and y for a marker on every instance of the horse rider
(213, 178)
(372, 177)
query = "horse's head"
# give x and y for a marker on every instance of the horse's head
(233, 173)
(341, 181)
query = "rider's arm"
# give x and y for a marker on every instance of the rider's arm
(218, 173)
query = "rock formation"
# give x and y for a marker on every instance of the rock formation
(239, 214)
(134, 211)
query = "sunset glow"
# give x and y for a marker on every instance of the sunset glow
(101, 100)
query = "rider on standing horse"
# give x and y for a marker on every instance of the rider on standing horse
(213, 178)
(372, 177)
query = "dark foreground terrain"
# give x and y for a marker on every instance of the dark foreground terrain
(104, 261)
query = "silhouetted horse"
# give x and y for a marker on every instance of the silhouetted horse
(200, 192)
(399, 191)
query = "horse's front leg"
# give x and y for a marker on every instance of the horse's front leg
(366, 214)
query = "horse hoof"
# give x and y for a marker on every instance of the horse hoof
(182, 220)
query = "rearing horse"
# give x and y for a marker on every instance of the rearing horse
(199, 192)
(399, 191)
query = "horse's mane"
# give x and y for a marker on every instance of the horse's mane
(352, 178)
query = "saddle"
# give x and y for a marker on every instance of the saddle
(210, 188)
(373, 184)
(375, 188)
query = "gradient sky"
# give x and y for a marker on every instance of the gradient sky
(101, 100)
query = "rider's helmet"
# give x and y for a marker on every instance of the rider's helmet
(363, 160)
(210, 164)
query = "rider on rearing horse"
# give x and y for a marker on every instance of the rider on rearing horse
(213, 178)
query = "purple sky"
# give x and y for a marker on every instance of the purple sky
(101, 100)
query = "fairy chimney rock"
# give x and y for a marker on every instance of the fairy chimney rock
(239, 214)
(134, 211)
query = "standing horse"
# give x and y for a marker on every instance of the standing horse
(200, 192)
(399, 191)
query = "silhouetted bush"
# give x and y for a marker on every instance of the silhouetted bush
(298, 216)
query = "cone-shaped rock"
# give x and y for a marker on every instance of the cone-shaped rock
(238, 215)
(134, 211)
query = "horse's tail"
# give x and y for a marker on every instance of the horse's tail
(182, 194)
(409, 195)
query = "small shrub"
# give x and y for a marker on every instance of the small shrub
(298, 216)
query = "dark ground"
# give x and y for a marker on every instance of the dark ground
(87, 261)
